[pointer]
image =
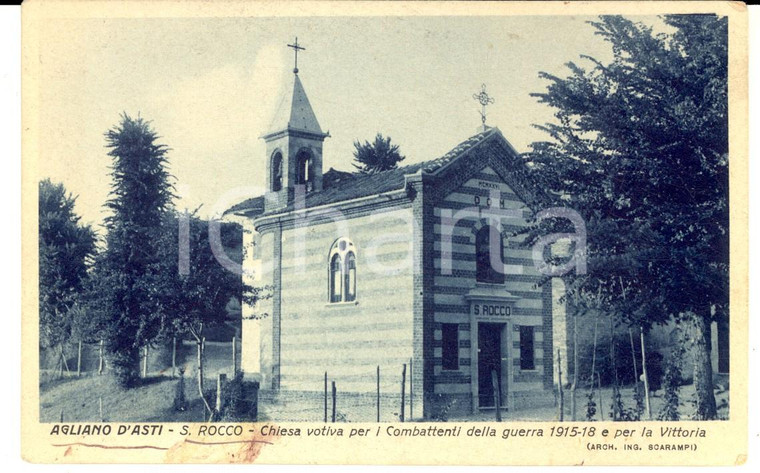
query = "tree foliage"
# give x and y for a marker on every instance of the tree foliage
(129, 272)
(377, 156)
(671, 381)
(639, 148)
(198, 292)
(196, 286)
(66, 248)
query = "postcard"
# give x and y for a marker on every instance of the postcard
(445, 233)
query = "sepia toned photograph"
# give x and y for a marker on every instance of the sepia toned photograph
(426, 221)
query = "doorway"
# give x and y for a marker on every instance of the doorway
(489, 360)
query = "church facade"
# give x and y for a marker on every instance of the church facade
(367, 273)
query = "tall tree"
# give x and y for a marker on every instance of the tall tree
(129, 271)
(377, 156)
(640, 149)
(66, 248)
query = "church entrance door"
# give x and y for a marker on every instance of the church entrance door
(489, 360)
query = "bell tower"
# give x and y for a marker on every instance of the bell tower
(294, 145)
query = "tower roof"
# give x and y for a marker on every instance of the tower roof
(294, 112)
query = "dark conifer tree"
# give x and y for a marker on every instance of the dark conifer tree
(377, 156)
(129, 272)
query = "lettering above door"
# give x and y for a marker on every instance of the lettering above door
(491, 310)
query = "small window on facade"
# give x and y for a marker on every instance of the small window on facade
(336, 274)
(450, 346)
(342, 271)
(277, 172)
(527, 359)
(485, 271)
(350, 277)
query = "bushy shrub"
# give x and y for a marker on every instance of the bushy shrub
(638, 397)
(125, 365)
(625, 414)
(590, 405)
(623, 360)
(240, 400)
(671, 381)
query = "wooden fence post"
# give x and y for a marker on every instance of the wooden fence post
(199, 354)
(174, 355)
(496, 394)
(613, 359)
(644, 374)
(234, 356)
(411, 389)
(334, 395)
(100, 357)
(633, 355)
(79, 359)
(403, 392)
(561, 404)
(145, 363)
(573, 402)
(325, 396)
(219, 386)
(64, 362)
(601, 402)
(378, 393)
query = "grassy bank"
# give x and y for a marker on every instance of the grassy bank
(80, 398)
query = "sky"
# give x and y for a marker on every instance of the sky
(209, 87)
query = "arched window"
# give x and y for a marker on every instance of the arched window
(486, 272)
(350, 277)
(303, 169)
(342, 271)
(277, 172)
(336, 278)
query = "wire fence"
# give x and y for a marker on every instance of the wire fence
(86, 359)
(385, 393)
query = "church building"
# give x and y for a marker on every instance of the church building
(395, 268)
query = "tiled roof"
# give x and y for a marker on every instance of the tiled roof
(458, 150)
(254, 206)
(339, 186)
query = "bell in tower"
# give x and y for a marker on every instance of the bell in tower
(294, 145)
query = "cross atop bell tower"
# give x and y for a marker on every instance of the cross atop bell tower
(296, 48)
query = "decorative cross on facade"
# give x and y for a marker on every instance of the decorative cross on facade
(296, 48)
(484, 100)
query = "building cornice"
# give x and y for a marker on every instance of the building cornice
(323, 213)
(295, 132)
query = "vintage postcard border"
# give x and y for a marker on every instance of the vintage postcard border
(725, 442)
